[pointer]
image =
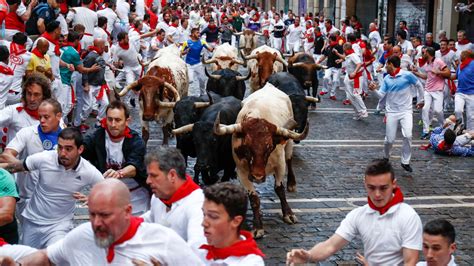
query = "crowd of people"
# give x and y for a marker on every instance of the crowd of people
(61, 64)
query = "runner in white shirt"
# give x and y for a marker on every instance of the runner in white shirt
(62, 174)
(16, 252)
(177, 200)
(391, 230)
(346, 28)
(172, 35)
(184, 31)
(165, 24)
(19, 59)
(277, 28)
(294, 34)
(309, 37)
(111, 16)
(463, 43)
(86, 17)
(328, 28)
(6, 76)
(157, 43)
(225, 209)
(438, 243)
(115, 237)
(28, 141)
(374, 35)
(450, 58)
(407, 47)
(100, 32)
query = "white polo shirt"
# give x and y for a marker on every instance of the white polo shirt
(185, 217)
(150, 240)
(52, 201)
(384, 236)
(16, 251)
(251, 260)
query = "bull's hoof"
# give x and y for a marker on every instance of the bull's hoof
(290, 219)
(291, 188)
(258, 233)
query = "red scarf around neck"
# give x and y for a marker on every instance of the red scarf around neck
(308, 27)
(17, 49)
(464, 42)
(93, 48)
(124, 46)
(397, 198)
(373, 30)
(2, 242)
(37, 53)
(328, 30)
(444, 53)
(395, 72)
(387, 54)
(135, 29)
(465, 63)
(131, 231)
(442, 146)
(349, 51)
(318, 34)
(184, 190)
(127, 133)
(48, 37)
(421, 62)
(78, 48)
(238, 249)
(6, 70)
(333, 43)
(33, 113)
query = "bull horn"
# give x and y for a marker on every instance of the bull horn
(224, 130)
(213, 76)
(240, 78)
(238, 33)
(311, 99)
(292, 134)
(250, 57)
(236, 61)
(212, 60)
(127, 88)
(281, 60)
(298, 64)
(183, 129)
(173, 89)
(258, 33)
(287, 55)
(166, 104)
(201, 104)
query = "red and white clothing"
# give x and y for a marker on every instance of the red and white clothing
(293, 37)
(18, 61)
(14, 117)
(462, 46)
(16, 251)
(13, 21)
(122, 10)
(384, 235)
(328, 31)
(111, 16)
(148, 241)
(308, 39)
(87, 18)
(6, 81)
(353, 86)
(184, 217)
(374, 38)
(433, 94)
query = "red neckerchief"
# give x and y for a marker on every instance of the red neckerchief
(397, 198)
(405, 28)
(349, 51)
(3, 242)
(341, 40)
(37, 53)
(50, 39)
(212, 28)
(33, 113)
(184, 190)
(328, 29)
(72, 45)
(124, 46)
(444, 53)
(238, 249)
(454, 49)
(93, 48)
(6, 70)
(442, 146)
(388, 54)
(465, 63)
(394, 73)
(308, 27)
(126, 133)
(463, 42)
(17, 49)
(344, 29)
(373, 30)
(131, 231)
(332, 43)
(135, 29)
(174, 25)
(421, 62)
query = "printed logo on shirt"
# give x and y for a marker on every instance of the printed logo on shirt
(47, 145)
(17, 60)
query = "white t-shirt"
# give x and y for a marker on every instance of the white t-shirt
(129, 57)
(16, 251)
(174, 33)
(111, 16)
(384, 236)
(449, 59)
(6, 82)
(163, 26)
(18, 64)
(463, 47)
(406, 46)
(15, 120)
(451, 262)
(63, 24)
(351, 63)
(294, 33)
(150, 240)
(84, 16)
(123, 9)
(185, 217)
(52, 201)
(100, 33)
(374, 38)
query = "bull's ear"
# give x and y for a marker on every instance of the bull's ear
(241, 151)
(137, 86)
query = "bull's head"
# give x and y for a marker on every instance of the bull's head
(304, 72)
(223, 62)
(265, 61)
(258, 140)
(155, 93)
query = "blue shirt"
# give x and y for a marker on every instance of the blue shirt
(437, 136)
(398, 91)
(193, 56)
(466, 79)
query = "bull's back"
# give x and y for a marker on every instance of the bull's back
(174, 70)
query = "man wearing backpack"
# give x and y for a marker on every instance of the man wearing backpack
(42, 14)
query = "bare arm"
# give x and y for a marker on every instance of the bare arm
(85, 70)
(38, 258)
(127, 171)
(7, 210)
(30, 7)
(410, 256)
(41, 26)
(10, 163)
(319, 252)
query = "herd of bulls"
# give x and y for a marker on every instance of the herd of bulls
(252, 137)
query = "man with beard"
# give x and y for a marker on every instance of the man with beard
(114, 236)
(62, 174)
(177, 200)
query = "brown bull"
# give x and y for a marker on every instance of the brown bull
(248, 40)
(263, 62)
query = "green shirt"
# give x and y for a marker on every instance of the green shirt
(237, 23)
(69, 56)
(7, 185)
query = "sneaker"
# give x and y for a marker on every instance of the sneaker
(333, 98)
(425, 136)
(346, 102)
(323, 93)
(407, 167)
(364, 114)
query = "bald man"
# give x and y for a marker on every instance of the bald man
(374, 36)
(94, 96)
(114, 236)
(40, 61)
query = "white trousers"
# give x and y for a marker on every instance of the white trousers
(198, 79)
(64, 97)
(307, 48)
(406, 122)
(433, 99)
(466, 101)
(294, 46)
(131, 99)
(354, 96)
(331, 80)
(42, 236)
(277, 43)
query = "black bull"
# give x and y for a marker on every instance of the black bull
(227, 82)
(304, 68)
